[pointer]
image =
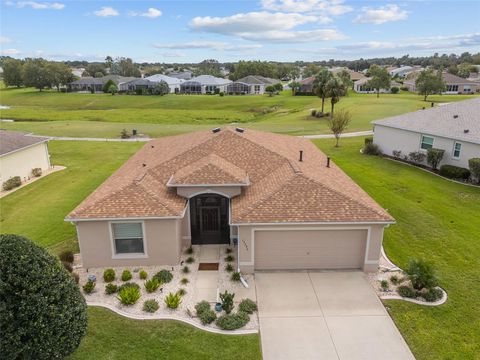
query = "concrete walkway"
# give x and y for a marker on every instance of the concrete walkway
(325, 315)
(345, 135)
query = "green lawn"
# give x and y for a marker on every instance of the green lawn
(437, 220)
(111, 336)
(37, 210)
(103, 115)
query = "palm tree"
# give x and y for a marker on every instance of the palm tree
(320, 84)
(335, 89)
(294, 85)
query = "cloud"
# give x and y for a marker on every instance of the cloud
(5, 40)
(106, 11)
(212, 45)
(150, 13)
(41, 5)
(328, 7)
(383, 14)
(9, 52)
(266, 26)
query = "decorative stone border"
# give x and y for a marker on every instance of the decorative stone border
(171, 317)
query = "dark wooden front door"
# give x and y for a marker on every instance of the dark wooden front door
(209, 219)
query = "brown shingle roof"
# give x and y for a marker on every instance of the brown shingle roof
(11, 141)
(281, 188)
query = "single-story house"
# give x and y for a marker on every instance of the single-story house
(454, 84)
(400, 71)
(354, 75)
(90, 84)
(362, 87)
(204, 84)
(20, 154)
(133, 85)
(277, 198)
(453, 127)
(173, 83)
(252, 84)
(306, 86)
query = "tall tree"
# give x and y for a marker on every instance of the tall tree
(380, 79)
(209, 67)
(339, 123)
(429, 83)
(59, 74)
(344, 75)
(335, 90)
(95, 69)
(245, 68)
(311, 70)
(320, 84)
(34, 74)
(12, 72)
(125, 67)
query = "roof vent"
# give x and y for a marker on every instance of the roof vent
(240, 130)
(215, 130)
(301, 156)
(455, 116)
(466, 131)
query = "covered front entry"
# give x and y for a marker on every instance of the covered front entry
(209, 219)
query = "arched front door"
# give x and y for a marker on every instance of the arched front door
(209, 219)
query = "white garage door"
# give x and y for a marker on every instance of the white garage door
(309, 249)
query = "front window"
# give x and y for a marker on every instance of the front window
(427, 142)
(457, 147)
(128, 238)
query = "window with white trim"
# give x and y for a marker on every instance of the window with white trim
(128, 238)
(457, 147)
(427, 142)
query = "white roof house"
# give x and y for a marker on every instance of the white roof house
(204, 84)
(401, 71)
(454, 127)
(173, 83)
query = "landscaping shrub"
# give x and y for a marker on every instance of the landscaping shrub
(229, 268)
(88, 287)
(474, 166)
(404, 88)
(124, 134)
(66, 256)
(189, 250)
(184, 281)
(190, 260)
(248, 306)
(432, 295)
(372, 149)
(454, 172)
(202, 306)
(394, 90)
(128, 293)
(221, 93)
(229, 258)
(43, 315)
(228, 250)
(406, 291)
(107, 85)
(417, 157)
(319, 114)
(109, 275)
(434, 156)
(126, 275)
(227, 301)
(395, 280)
(150, 306)
(384, 285)
(233, 321)
(397, 154)
(67, 266)
(12, 183)
(207, 316)
(37, 172)
(368, 140)
(235, 276)
(142, 274)
(421, 274)
(164, 276)
(181, 292)
(111, 289)
(173, 300)
(185, 269)
(152, 285)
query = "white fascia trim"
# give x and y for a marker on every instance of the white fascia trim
(317, 223)
(23, 148)
(124, 219)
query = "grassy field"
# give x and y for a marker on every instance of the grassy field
(103, 115)
(437, 220)
(37, 210)
(111, 336)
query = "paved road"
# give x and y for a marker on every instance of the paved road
(325, 315)
(331, 136)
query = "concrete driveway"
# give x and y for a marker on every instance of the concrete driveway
(324, 315)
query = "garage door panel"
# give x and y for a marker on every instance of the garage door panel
(309, 249)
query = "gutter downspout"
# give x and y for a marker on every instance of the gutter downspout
(242, 280)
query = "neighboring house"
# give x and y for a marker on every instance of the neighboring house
(20, 154)
(454, 84)
(90, 84)
(184, 75)
(401, 72)
(252, 84)
(306, 86)
(278, 197)
(173, 83)
(204, 84)
(362, 87)
(135, 84)
(453, 127)
(354, 75)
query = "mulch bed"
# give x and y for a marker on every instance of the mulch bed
(208, 266)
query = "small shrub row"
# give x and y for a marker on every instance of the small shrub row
(12, 183)
(454, 172)
(248, 306)
(205, 312)
(233, 321)
(371, 149)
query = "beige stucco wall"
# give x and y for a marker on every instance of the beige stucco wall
(20, 163)
(162, 242)
(373, 235)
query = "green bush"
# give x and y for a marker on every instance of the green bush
(221, 93)
(189, 250)
(207, 316)
(43, 315)
(235, 276)
(229, 268)
(37, 172)
(417, 157)
(202, 306)
(142, 274)
(407, 291)
(67, 256)
(126, 275)
(181, 292)
(227, 301)
(107, 85)
(164, 276)
(474, 166)
(190, 260)
(434, 156)
(404, 88)
(173, 300)
(109, 275)
(372, 149)
(394, 90)
(313, 112)
(368, 140)
(421, 274)
(454, 172)
(12, 183)
(432, 295)
(248, 306)
(395, 279)
(384, 285)
(185, 269)
(88, 287)
(228, 250)
(150, 306)
(152, 285)
(229, 258)
(128, 293)
(111, 289)
(184, 281)
(233, 321)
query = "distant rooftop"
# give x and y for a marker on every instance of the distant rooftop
(11, 141)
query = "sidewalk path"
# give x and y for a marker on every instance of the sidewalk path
(331, 136)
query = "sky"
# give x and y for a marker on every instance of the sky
(231, 30)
